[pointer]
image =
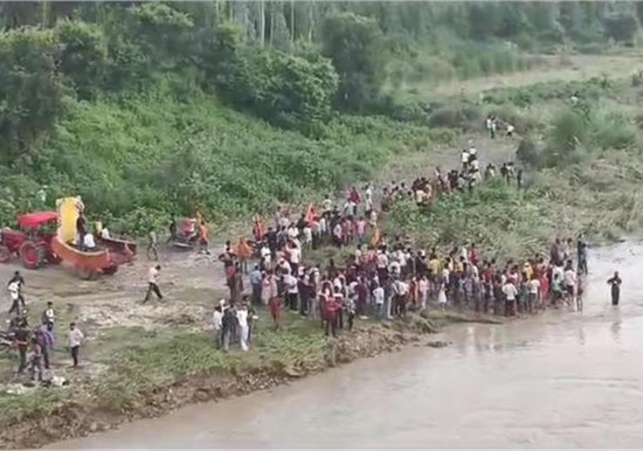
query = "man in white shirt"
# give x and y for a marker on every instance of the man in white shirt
(14, 291)
(48, 316)
(88, 241)
(400, 290)
(217, 320)
(338, 235)
(327, 205)
(104, 233)
(266, 256)
(368, 198)
(382, 260)
(294, 257)
(510, 130)
(152, 281)
(534, 288)
(378, 299)
(510, 293)
(420, 194)
(76, 338)
(293, 232)
(285, 266)
(308, 236)
(373, 219)
(350, 208)
(292, 291)
(465, 158)
(244, 329)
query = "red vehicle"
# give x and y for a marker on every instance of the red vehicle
(186, 236)
(32, 242)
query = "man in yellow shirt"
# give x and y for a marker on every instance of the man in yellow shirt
(459, 265)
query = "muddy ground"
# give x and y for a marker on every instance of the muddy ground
(191, 285)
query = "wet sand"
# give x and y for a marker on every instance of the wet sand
(563, 379)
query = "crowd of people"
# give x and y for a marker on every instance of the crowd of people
(35, 344)
(385, 279)
(381, 278)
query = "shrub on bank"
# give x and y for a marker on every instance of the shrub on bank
(456, 116)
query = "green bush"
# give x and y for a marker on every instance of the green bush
(620, 26)
(613, 131)
(569, 131)
(83, 56)
(464, 117)
(31, 91)
(358, 50)
(529, 154)
(138, 162)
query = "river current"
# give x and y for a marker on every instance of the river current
(562, 379)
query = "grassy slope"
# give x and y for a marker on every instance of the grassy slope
(156, 155)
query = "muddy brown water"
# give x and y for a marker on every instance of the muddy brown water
(563, 379)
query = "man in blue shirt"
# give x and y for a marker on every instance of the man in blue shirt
(256, 281)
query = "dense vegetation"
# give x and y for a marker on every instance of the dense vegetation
(583, 164)
(131, 104)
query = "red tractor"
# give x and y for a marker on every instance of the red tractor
(32, 242)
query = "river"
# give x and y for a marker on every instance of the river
(562, 379)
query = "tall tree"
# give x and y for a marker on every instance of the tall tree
(262, 23)
(358, 50)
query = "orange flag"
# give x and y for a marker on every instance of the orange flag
(377, 236)
(259, 228)
(311, 214)
(243, 249)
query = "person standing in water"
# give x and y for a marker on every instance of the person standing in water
(615, 283)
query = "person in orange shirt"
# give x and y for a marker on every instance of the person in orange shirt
(244, 252)
(203, 238)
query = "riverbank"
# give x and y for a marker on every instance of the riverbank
(136, 388)
(541, 382)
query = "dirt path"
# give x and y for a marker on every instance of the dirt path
(448, 157)
(191, 284)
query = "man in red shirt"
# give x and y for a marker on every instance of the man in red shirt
(474, 257)
(330, 316)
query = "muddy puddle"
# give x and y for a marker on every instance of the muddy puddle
(560, 380)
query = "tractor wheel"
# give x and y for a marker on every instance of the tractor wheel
(85, 274)
(5, 254)
(31, 255)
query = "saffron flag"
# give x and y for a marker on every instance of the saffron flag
(243, 249)
(377, 236)
(311, 213)
(259, 228)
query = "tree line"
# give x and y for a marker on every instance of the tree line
(291, 63)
